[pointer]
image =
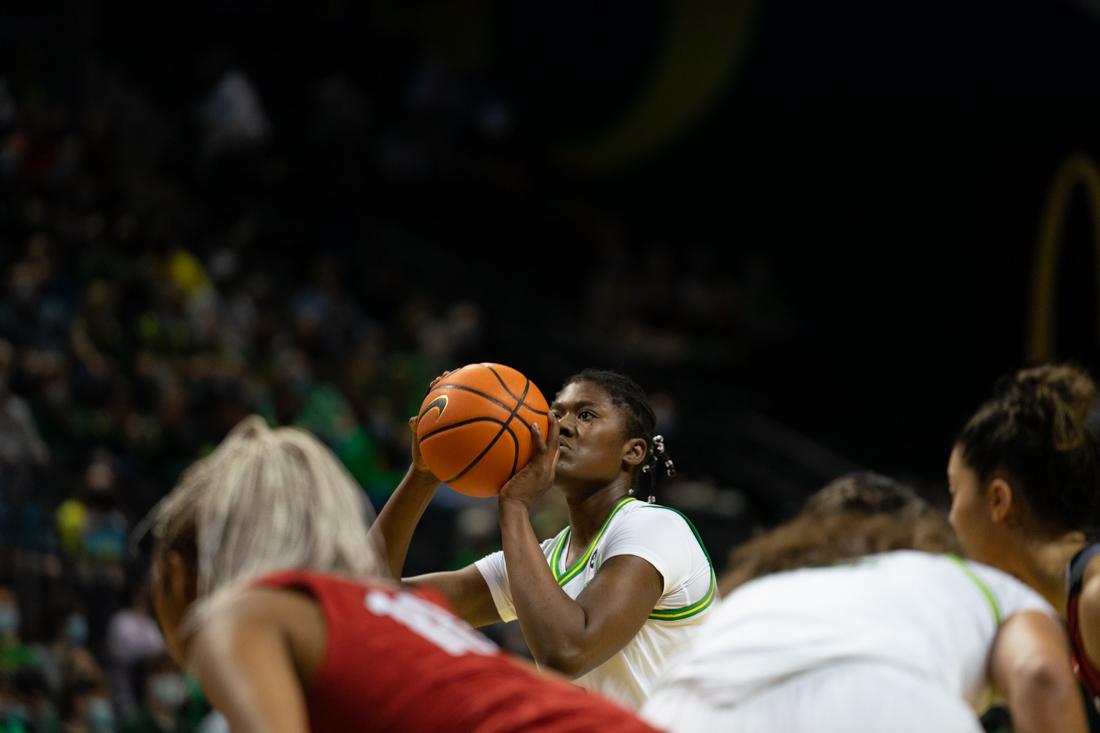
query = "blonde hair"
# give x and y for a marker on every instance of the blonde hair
(265, 500)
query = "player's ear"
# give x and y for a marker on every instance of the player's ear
(634, 452)
(999, 499)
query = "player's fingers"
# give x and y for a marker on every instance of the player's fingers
(555, 431)
(434, 382)
(540, 442)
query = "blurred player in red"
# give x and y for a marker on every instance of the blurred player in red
(264, 584)
(1025, 487)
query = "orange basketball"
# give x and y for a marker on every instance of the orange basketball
(474, 427)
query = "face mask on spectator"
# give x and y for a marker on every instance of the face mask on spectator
(168, 689)
(100, 717)
(76, 630)
(9, 619)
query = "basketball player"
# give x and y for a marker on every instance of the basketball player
(904, 640)
(262, 585)
(613, 595)
(1025, 486)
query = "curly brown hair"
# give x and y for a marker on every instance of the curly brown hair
(853, 516)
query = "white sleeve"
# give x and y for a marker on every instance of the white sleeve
(1012, 595)
(495, 572)
(663, 538)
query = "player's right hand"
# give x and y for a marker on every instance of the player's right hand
(536, 478)
(418, 464)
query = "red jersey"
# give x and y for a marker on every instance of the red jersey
(398, 660)
(1086, 673)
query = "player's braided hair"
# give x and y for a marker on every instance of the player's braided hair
(1035, 431)
(641, 421)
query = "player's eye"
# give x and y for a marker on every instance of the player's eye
(586, 414)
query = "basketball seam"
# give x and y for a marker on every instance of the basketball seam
(459, 424)
(478, 392)
(515, 441)
(513, 394)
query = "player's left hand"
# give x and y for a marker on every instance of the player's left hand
(536, 478)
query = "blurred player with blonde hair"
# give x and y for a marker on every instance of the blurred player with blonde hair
(267, 588)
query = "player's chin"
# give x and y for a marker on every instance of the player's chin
(565, 467)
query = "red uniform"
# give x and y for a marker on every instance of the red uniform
(398, 660)
(1086, 673)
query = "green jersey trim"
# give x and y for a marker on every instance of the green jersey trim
(555, 557)
(678, 614)
(992, 599)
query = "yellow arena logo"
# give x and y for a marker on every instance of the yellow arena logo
(1078, 170)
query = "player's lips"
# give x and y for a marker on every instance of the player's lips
(563, 444)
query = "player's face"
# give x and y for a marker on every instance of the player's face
(593, 434)
(970, 514)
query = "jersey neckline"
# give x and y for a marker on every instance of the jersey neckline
(555, 558)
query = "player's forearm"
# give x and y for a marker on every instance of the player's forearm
(553, 623)
(396, 523)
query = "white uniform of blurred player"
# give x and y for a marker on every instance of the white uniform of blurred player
(900, 641)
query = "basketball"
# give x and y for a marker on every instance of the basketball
(474, 427)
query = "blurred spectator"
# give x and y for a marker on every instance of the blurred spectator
(85, 708)
(163, 694)
(90, 525)
(132, 635)
(93, 533)
(21, 447)
(14, 654)
(232, 116)
(28, 706)
(65, 654)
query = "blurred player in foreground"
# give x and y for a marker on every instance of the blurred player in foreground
(264, 584)
(854, 621)
(1025, 487)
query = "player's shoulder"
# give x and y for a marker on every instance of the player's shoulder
(1085, 565)
(1084, 576)
(251, 610)
(655, 525)
(656, 516)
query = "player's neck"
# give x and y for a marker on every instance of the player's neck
(1043, 567)
(588, 511)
